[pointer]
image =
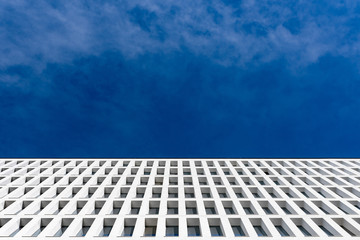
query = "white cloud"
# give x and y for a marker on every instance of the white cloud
(36, 34)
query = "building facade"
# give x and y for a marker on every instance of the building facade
(179, 198)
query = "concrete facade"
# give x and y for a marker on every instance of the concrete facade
(179, 198)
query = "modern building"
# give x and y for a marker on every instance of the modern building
(179, 198)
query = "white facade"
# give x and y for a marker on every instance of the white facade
(179, 198)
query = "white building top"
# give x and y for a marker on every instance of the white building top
(179, 198)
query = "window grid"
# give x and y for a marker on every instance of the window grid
(161, 198)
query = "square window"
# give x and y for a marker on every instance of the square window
(229, 210)
(189, 195)
(134, 210)
(267, 210)
(153, 210)
(248, 210)
(173, 195)
(206, 195)
(282, 231)
(238, 231)
(105, 231)
(216, 231)
(210, 210)
(286, 210)
(128, 231)
(239, 195)
(256, 195)
(191, 211)
(150, 231)
(172, 231)
(115, 211)
(172, 211)
(304, 231)
(140, 195)
(194, 231)
(156, 195)
(223, 195)
(260, 231)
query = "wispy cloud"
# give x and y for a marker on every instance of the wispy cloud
(40, 32)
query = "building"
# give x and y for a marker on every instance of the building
(179, 198)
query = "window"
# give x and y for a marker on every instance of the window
(172, 211)
(206, 195)
(140, 195)
(123, 195)
(305, 194)
(260, 231)
(256, 195)
(357, 207)
(194, 231)
(38, 231)
(326, 231)
(305, 210)
(210, 210)
(134, 210)
(191, 211)
(273, 195)
(172, 231)
(239, 195)
(60, 232)
(286, 210)
(348, 231)
(343, 210)
(150, 231)
(223, 195)
(321, 194)
(304, 231)
(322, 209)
(248, 210)
(282, 231)
(154, 210)
(83, 231)
(238, 231)
(115, 211)
(173, 195)
(267, 210)
(189, 195)
(156, 195)
(229, 210)
(216, 231)
(105, 232)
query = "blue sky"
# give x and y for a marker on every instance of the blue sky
(212, 78)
